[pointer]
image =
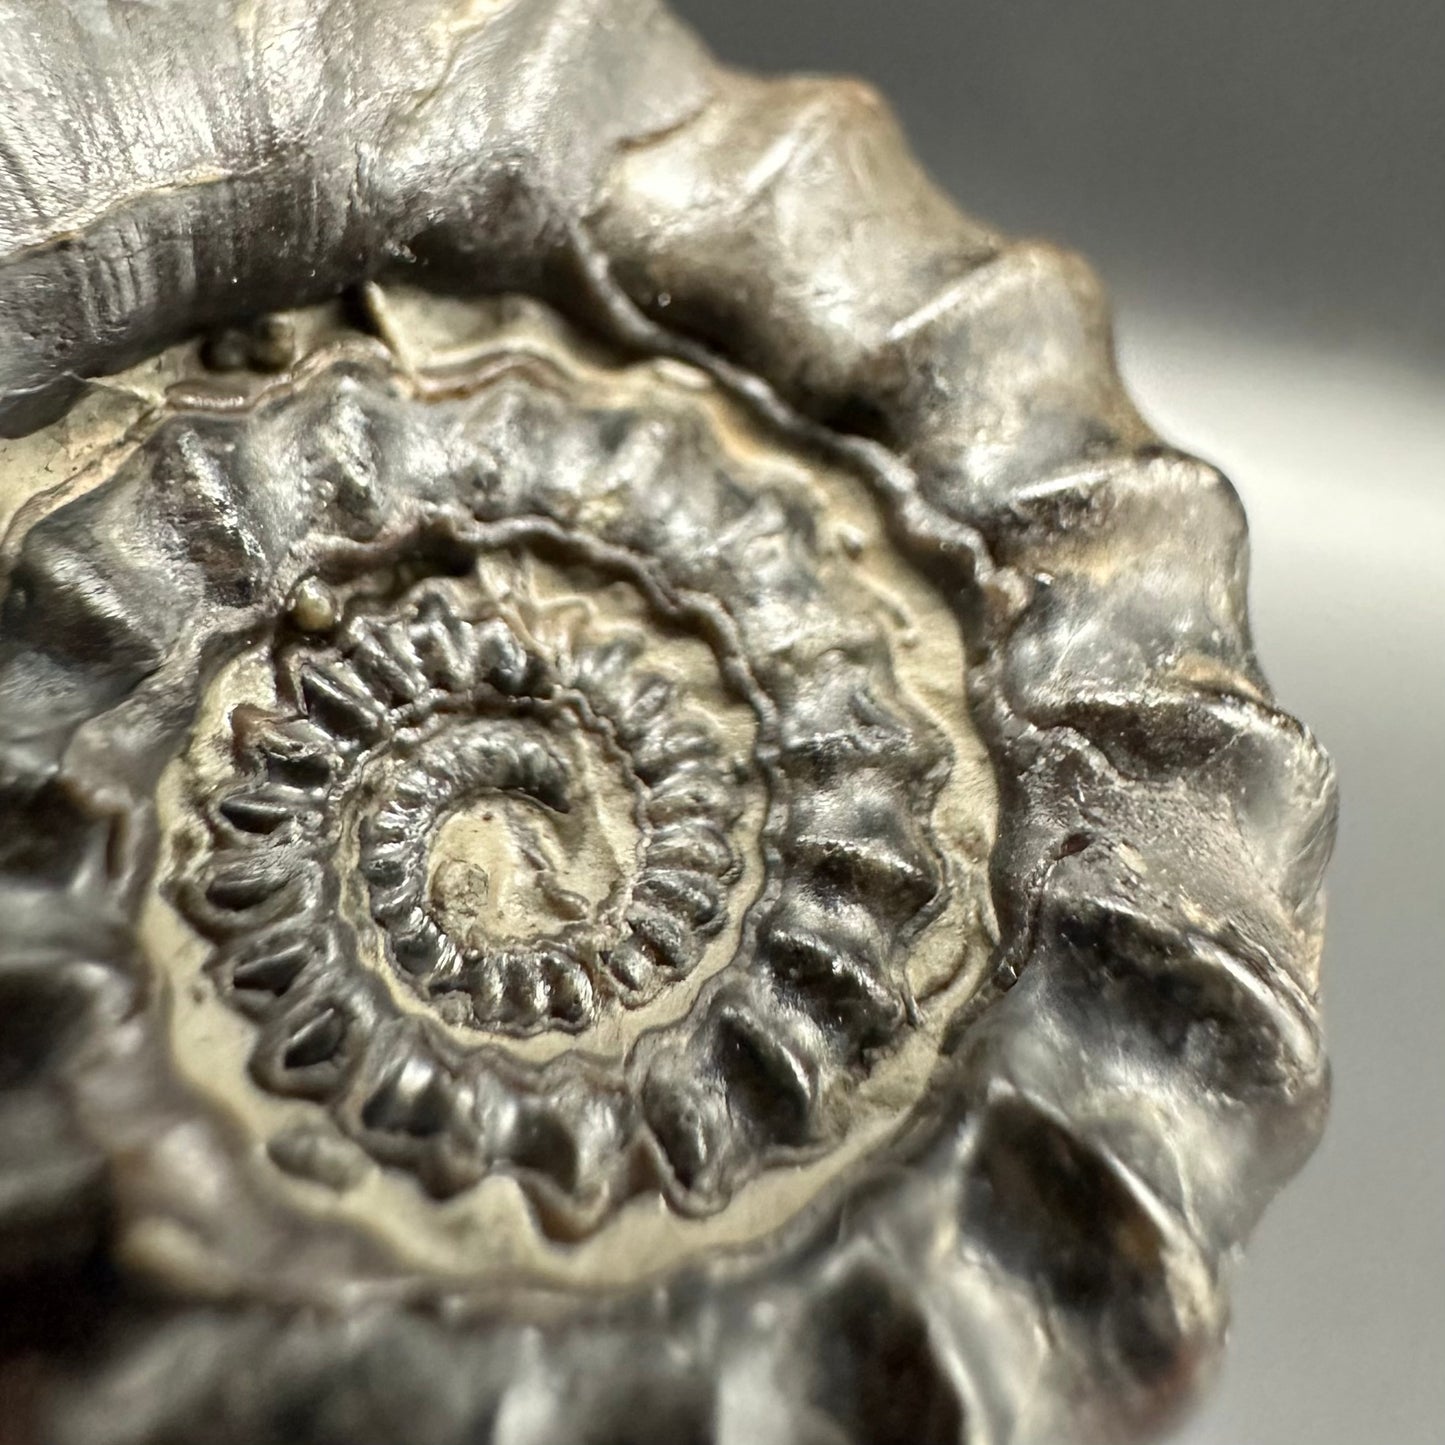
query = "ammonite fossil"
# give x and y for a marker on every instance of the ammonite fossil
(637, 803)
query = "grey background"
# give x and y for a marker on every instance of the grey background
(1262, 184)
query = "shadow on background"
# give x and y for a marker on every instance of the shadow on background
(1262, 185)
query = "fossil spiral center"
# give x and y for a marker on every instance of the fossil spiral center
(503, 870)
(592, 820)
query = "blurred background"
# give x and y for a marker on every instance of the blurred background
(1262, 185)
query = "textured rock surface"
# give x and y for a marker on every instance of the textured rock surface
(1035, 1255)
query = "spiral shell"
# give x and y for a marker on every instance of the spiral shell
(778, 783)
(718, 869)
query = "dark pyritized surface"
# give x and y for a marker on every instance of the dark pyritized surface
(1033, 1252)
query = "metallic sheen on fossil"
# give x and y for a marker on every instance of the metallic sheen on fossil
(637, 806)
